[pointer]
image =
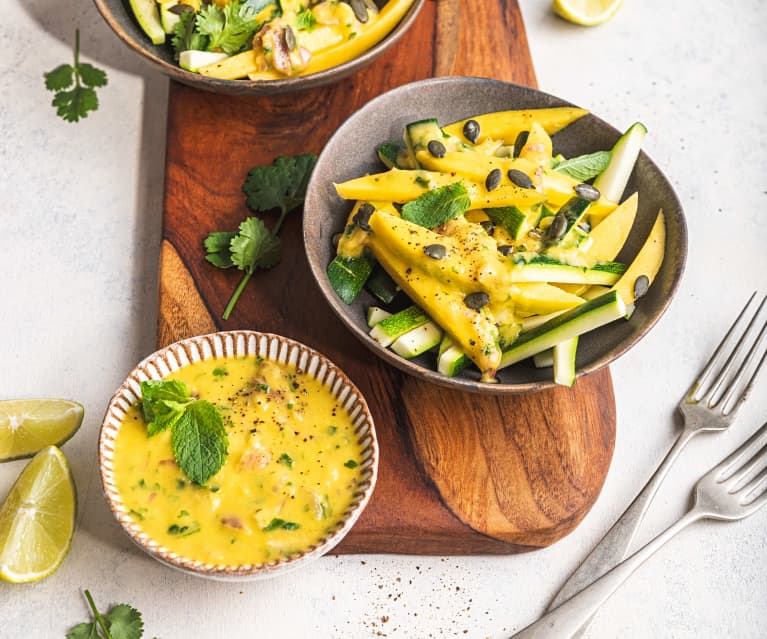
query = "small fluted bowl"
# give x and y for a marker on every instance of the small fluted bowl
(226, 344)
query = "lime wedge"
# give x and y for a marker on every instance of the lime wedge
(586, 12)
(148, 17)
(37, 520)
(29, 425)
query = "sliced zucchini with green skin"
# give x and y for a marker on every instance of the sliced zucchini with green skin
(192, 60)
(375, 315)
(389, 329)
(581, 319)
(544, 359)
(571, 212)
(417, 341)
(612, 182)
(348, 275)
(452, 361)
(545, 269)
(529, 323)
(564, 361)
(511, 219)
(382, 286)
(394, 155)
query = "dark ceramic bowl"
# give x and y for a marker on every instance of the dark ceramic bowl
(351, 153)
(119, 17)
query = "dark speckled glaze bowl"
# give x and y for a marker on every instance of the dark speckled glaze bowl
(119, 17)
(351, 153)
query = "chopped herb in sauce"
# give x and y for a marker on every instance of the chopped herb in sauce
(136, 514)
(278, 523)
(220, 371)
(350, 463)
(332, 430)
(286, 459)
(183, 531)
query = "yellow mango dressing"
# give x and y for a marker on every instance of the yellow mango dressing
(292, 468)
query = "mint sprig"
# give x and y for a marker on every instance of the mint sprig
(198, 437)
(438, 206)
(584, 167)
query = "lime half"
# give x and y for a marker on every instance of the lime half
(37, 520)
(586, 12)
(29, 425)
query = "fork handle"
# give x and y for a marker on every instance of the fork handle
(563, 622)
(613, 547)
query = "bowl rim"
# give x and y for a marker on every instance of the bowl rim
(261, 87)
(458, 383)
(273, 347)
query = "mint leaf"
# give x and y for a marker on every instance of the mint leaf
(584, 167)
(217, 247)
(254, 246)
(438, 206)
(84, 631)
(60, 78)
(124, 622)
(163, 402)
(199, 441)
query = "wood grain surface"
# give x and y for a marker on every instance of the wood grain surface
(459, 473)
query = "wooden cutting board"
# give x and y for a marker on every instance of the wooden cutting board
(459, 473)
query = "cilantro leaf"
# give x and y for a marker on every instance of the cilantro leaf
(185, 37)
(124, 622)
(585, 167)
(199, 441)
(229, 28)
(217, 247)
(437, 206)
(81, 99)
(76, 103)
(91, 76)
(84, 631)
(60, 78)
(254, 246)
(282, 185)
(305, 20)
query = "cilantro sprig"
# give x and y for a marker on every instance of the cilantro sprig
(282, 186)
(121, 622)
(198, 437)
(74, 86)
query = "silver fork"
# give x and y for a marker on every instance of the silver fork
(711, 404)
(734, 489)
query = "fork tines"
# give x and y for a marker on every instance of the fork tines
(734, 374)
(741, 470)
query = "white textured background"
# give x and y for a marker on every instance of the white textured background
(79, 238)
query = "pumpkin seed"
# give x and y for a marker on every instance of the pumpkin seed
(476, 301)
(360, 10)
(488, 226)
(506, 249)
(436, 148)
(435, 251)
(290, 38)
(362, 217)
(493, 179)
(534, 234)
(520, 178)
(520, 142)
(587, 192)
(471, 131)
(557, 227)
(641, 284)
